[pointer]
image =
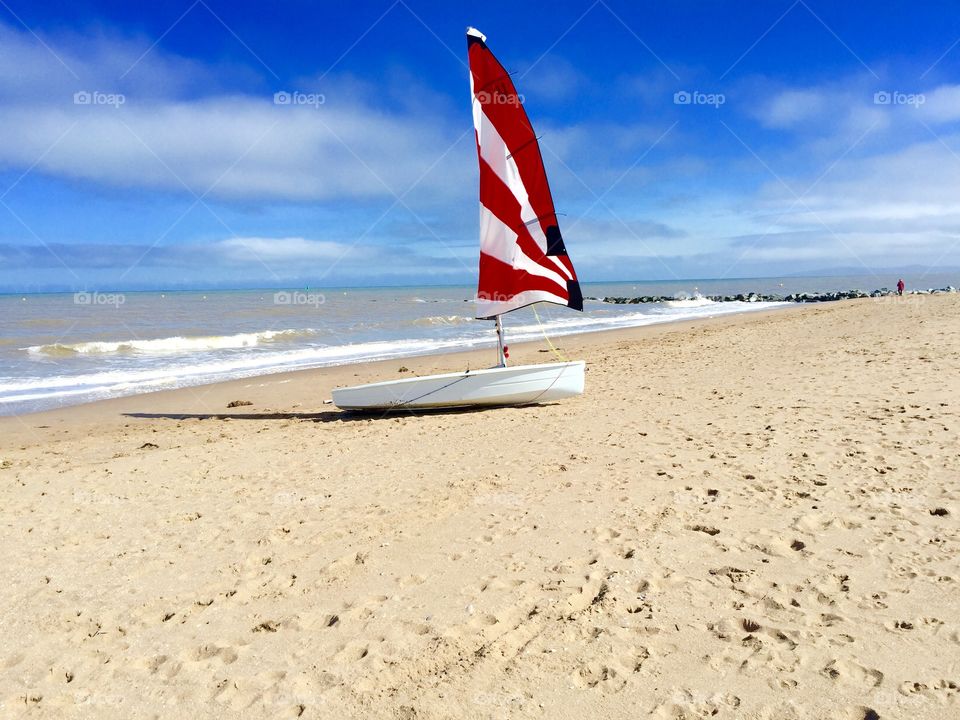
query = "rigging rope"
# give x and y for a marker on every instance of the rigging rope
(560, 355)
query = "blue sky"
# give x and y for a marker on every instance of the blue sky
(817, 135)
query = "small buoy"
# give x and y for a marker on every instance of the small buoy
(506, 351)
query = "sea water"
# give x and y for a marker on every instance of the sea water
(64, 349)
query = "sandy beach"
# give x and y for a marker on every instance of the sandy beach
(753, 517)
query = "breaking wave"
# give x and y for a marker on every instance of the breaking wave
(689, 302)
(161, 346)
(443, 320)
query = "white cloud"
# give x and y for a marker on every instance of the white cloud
(901, 187)
(283, 250)
(792, 107)
(899, 207)
(942, 104)
(839, 115)
(232, 146)
(51, 71)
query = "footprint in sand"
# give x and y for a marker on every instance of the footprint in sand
(411, 580)
(686, 705)
(417, 628)
(352, 652)
(942, 691)
(161, 665)
(226, 654)
(610, 676)
(846, 671)
(606, 534)
(591, 592)
(483, 620)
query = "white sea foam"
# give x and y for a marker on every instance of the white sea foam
(177, 344)
(695, 301)
(444, 320)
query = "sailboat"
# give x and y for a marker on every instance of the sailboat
(523, 260)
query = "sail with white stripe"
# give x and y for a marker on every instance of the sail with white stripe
(522, 256)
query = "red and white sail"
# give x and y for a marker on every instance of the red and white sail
(522, 256)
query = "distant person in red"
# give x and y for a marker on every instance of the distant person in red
(900, 286)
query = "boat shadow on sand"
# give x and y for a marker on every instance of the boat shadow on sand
(327, 416)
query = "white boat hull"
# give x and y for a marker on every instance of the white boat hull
(519, 385)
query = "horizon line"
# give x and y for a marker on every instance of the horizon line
(307, 288)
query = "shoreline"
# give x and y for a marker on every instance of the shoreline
(209, 396)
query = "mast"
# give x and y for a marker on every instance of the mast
(501, 348)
